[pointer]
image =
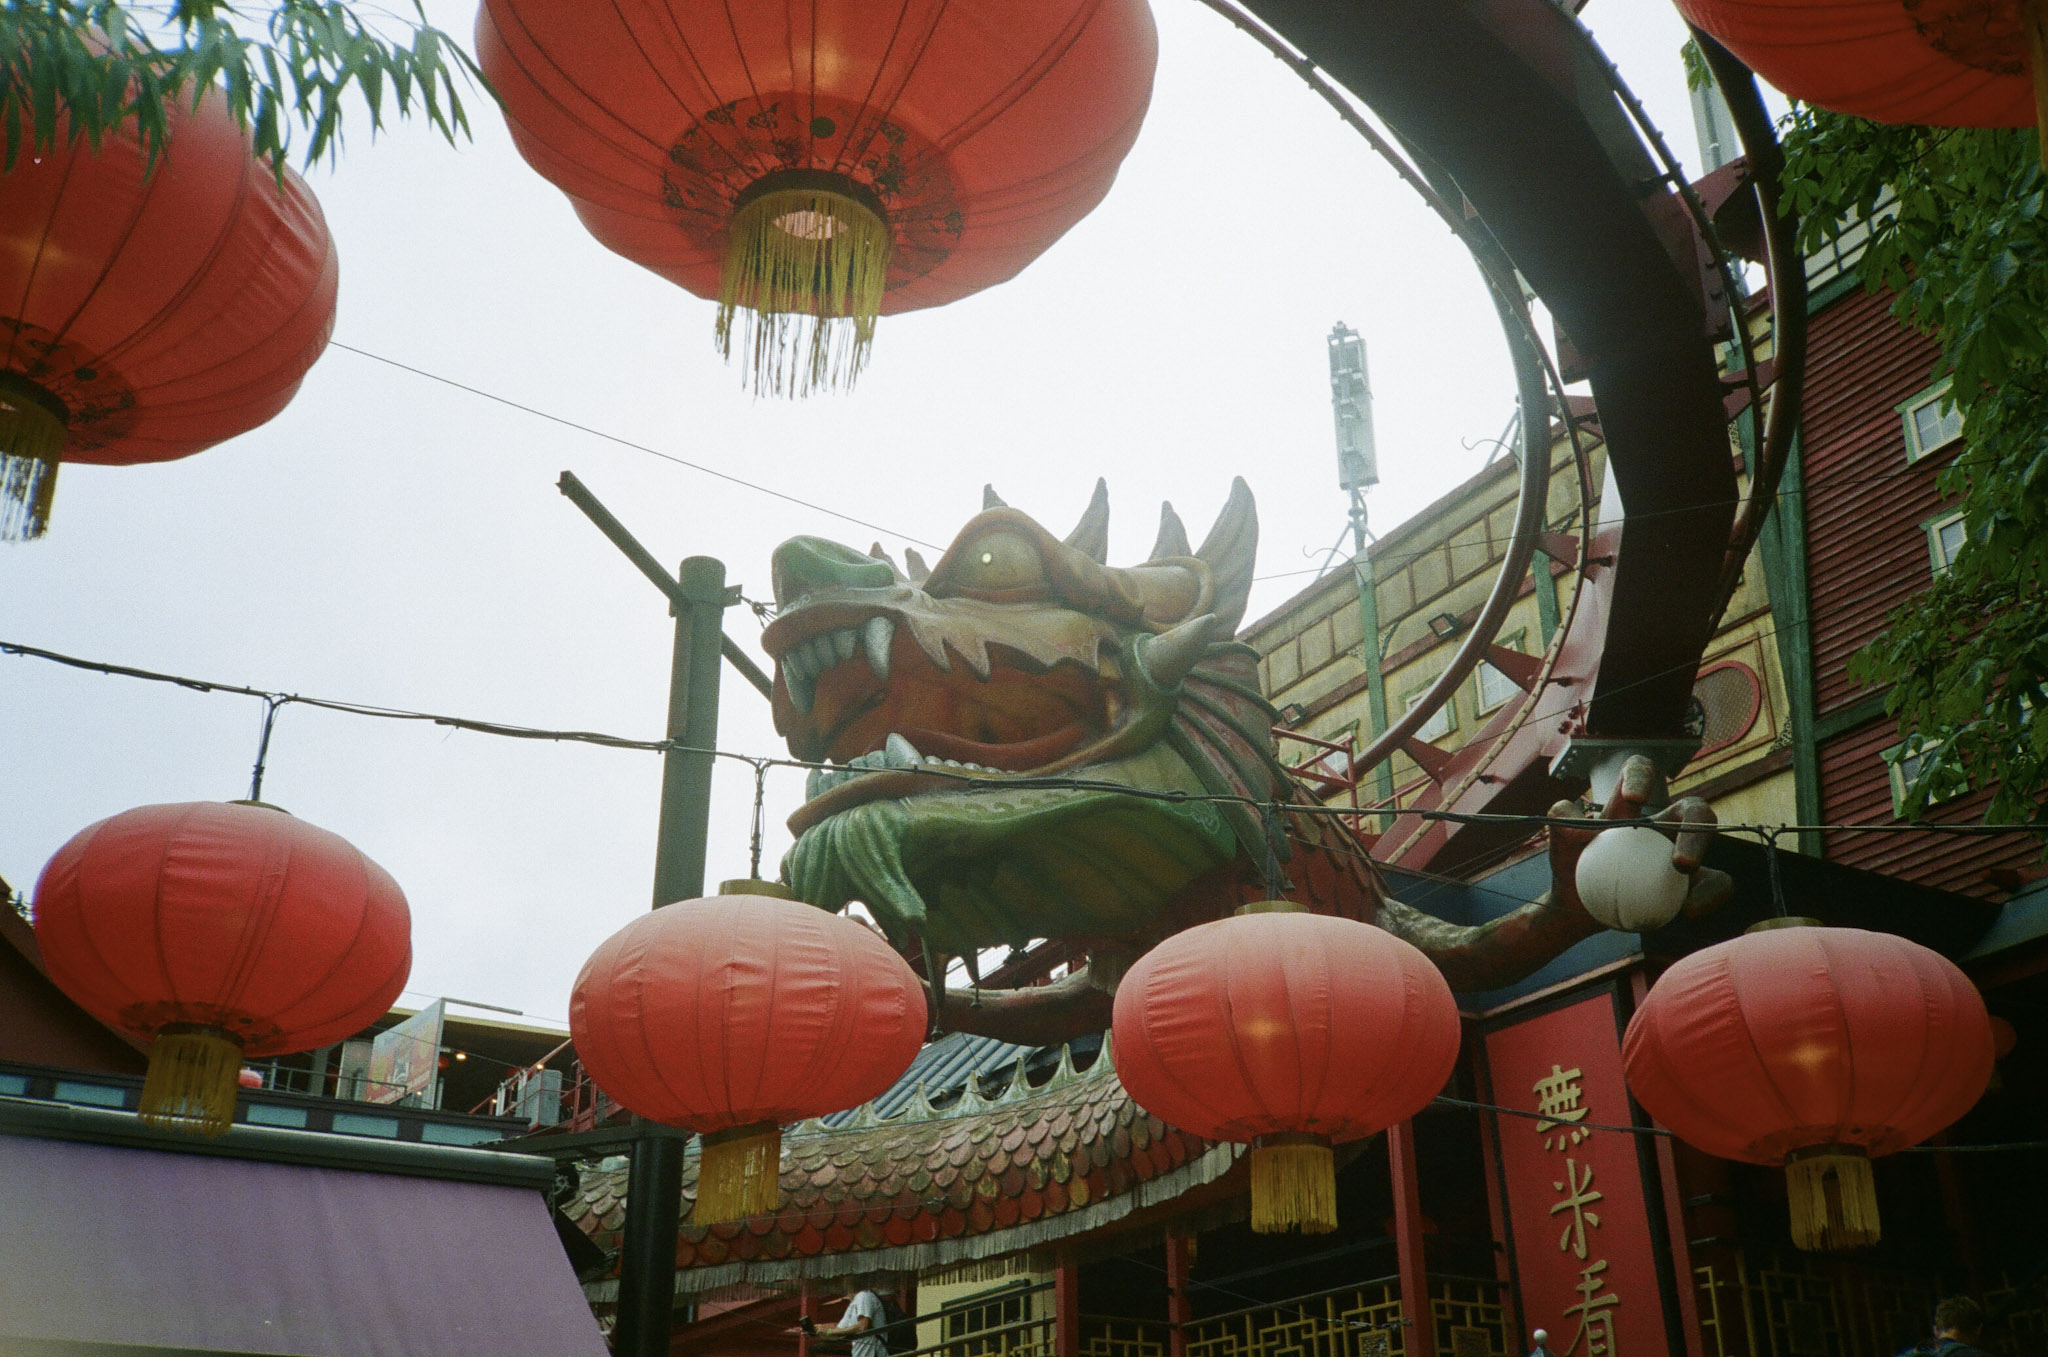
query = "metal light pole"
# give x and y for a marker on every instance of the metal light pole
(1358, 468)
(698, 597)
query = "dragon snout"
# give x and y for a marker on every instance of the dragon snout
(803, 566)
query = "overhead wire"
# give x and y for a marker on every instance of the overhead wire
(1011, 782)
(623, 442)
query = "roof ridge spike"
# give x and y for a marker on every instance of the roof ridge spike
(1020, 1080)
(1065, 1074)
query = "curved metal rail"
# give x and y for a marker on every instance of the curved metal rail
(1518, 108)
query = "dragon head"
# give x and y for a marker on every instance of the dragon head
(989, 723)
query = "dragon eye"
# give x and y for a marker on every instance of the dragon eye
(1000, 562)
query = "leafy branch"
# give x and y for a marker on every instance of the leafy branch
(85, 68)
(1959, 236)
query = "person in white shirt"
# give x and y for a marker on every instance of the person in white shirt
(862, 1321)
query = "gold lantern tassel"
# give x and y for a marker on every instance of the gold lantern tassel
(1833, 1198)
(740, 1174)
(192, 1080)
(32, 424)
(807, 260)
(1294, 1184)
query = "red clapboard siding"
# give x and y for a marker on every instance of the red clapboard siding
(1866, 548)
(1856, 788)
(1866, 554)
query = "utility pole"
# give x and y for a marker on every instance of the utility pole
(1358, 469)
(698, 597)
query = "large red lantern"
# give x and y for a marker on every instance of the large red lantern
(1948, 63)
(1292, 1031)
(736, 1014)
(220, 932)
(1816, 1048)
(147, 313)
(814, 163)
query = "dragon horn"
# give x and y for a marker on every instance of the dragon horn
(1229, 550)
(914, 566)
(990, 499)
(1167, 658)
(1090, 536)
(1173, 536)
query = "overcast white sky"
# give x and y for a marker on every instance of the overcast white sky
(392, 540)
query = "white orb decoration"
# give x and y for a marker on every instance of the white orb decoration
(1627, 881)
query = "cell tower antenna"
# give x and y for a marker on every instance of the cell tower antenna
(1358, 463)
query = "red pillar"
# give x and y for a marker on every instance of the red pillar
(1693, 1337)
(807, 1306)
(1180, 1304)
(1066, 1306)
(1421, 1338)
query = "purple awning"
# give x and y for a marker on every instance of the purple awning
(114, 1245)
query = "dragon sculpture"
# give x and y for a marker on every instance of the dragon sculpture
(1023, 745)
(1023, 742)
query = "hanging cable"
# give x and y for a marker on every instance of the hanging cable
(760, 795)
(961, 777)
(270, 709)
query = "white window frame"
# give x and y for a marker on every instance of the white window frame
(1337, 762)
(1939, 557)
(1511, 689)
(1937, 395)
(1442, 723)
(1902, 766)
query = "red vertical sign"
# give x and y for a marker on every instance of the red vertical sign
(1577, 1222)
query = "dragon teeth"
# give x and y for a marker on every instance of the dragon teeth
(808, 659)
(876, 639)
(803, 687)
(900, 753)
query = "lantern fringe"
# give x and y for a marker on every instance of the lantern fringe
(194, 1076)
(31, 446)
(1294, 1185)
(740, 1174)
(807, 267)
(1833, 1198)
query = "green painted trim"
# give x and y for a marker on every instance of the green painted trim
(1375, 675)
(1832, 291)
(100, 1126)
(1782, 545)
(1858, 713)
(1547, 610)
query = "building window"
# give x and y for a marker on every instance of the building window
(1335, 764)
(1441, 723)
(991, 1323)
(1945, 537)
(1905, 762)
(1495, 688)
(1932, 421)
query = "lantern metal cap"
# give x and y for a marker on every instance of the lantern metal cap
(1783, 921)
(753, 885)
(1270, 907)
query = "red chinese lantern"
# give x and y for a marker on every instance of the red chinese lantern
(1292, 1031)
(149, 313)
(1948, 63)
(736, 1014)
(814, 165)
(220, 932)
(1816, 1048)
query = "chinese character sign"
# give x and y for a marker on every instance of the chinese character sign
(1577, 1221)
